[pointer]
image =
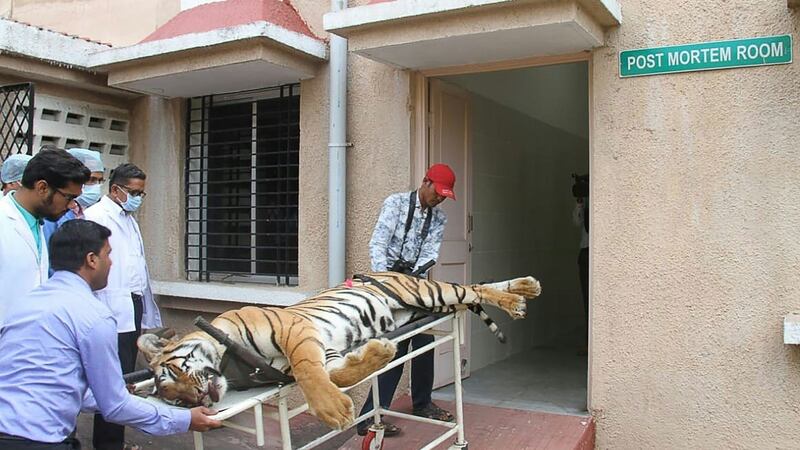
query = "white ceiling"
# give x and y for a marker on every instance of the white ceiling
(217, 80)
(557, 95)
(550, 39)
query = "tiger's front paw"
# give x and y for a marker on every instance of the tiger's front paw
(332, 407)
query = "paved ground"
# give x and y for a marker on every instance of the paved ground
(544, 380)
(487, 428)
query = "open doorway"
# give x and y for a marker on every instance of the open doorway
(527, 133)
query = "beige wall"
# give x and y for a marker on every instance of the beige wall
(116, 22)
(694, 248)
(378, 163)
(157, 147)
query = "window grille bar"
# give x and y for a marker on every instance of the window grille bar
(16, 119)
(261, 166)
(204, 188)
(281, 139)
(260, 194)
(239, 208)
(245, 260)
(256, 127)
(232, 116)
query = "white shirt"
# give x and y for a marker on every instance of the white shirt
(21, 267)
(128, 269)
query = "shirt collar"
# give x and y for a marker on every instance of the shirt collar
(72, 279)
(113, 207)
(30, 219)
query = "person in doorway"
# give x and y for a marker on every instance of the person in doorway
(581, 219)
(91, 192)
(407, 235)
(51, 180)
(59, 347)
(128, 293)
(11, 172)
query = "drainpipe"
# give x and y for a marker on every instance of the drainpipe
(337, 146)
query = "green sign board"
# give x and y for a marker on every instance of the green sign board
(762, 51)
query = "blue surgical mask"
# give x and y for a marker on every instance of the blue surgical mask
(90, 195)
(132, 203)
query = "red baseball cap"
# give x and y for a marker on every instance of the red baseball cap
(443, 179)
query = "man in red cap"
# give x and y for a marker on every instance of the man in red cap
(408, 234)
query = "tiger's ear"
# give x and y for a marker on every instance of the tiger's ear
(151, 346)
(165, 333)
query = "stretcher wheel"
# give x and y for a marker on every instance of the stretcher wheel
(367, 443)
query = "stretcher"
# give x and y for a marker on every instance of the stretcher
(238, 402)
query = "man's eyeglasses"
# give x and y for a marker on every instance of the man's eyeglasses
(132, 192)
(69, 197)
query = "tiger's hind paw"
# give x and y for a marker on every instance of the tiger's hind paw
(527, 287)
(517, 308)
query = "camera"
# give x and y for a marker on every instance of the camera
(402, 266)
(580, 189)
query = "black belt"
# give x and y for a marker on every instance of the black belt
(13, 438)
(10, 437)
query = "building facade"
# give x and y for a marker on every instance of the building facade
(693, 264)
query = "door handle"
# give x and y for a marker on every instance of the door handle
(469, 247)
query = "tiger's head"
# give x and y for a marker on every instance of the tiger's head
(186, 371)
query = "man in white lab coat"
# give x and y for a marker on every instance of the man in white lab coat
(51, 180)
(127, 294)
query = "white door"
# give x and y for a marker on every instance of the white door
(449, 143)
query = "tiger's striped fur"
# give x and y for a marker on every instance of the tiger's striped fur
(307, 340)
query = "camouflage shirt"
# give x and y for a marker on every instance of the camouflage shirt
(384, 247)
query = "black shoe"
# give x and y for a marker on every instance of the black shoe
(388, 428)
(434, 412)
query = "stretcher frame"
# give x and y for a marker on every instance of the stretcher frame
(255, 398)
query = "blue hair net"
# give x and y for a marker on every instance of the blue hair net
(13, 167)
(89, 158)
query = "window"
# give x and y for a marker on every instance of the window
(242, 167)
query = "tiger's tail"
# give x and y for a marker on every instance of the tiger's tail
(490, 324)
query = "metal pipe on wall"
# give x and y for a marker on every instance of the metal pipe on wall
(337, 154)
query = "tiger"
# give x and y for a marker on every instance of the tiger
(310, 340)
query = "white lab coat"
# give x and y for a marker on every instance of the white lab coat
(117, 294)
(21, 268)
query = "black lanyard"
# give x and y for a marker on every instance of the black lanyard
(412, 205)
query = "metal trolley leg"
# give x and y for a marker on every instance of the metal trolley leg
(198, 440)
(258, 412)
(457, 340)
(283, 411)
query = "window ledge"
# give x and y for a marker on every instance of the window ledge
(229, 292)
(791, 328)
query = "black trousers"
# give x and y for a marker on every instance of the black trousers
(107, 435)
(421, 376)
(583, 269)
(16, 443)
